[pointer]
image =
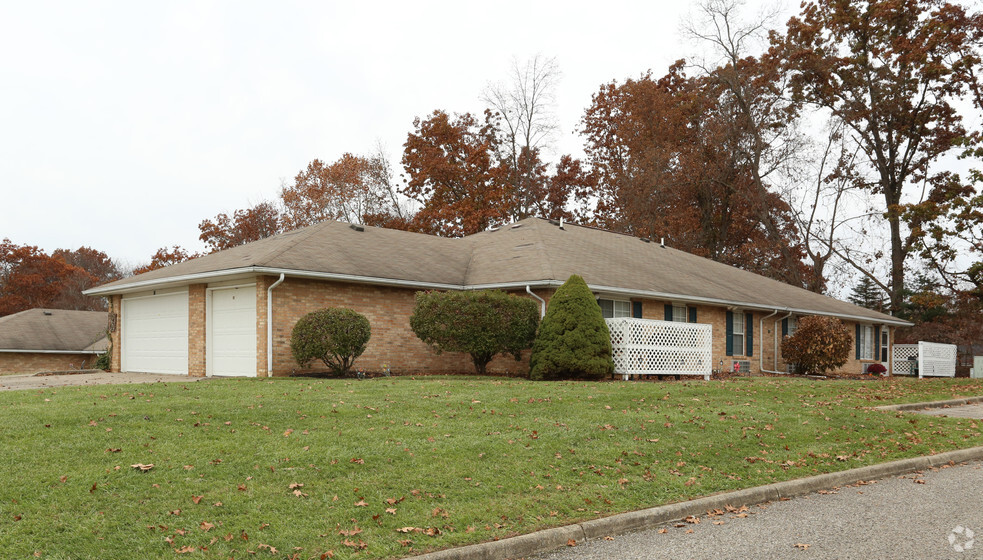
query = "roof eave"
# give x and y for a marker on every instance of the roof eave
(214, 275)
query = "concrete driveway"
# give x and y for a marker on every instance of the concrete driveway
(16, 382)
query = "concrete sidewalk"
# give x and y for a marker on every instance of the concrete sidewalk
(23, 382)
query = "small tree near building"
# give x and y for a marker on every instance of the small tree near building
(336, 336)
(573, 340)
(481, 323)
(819, 345)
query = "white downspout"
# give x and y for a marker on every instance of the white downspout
(542, 302)
(761, 342)
(269, 326)
(762, 357)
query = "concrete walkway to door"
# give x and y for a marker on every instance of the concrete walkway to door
(21, 382)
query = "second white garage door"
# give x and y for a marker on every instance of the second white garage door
(231, 338)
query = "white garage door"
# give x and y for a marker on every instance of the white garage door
(232, 332)
(155, 333)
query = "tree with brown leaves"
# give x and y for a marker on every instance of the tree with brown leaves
(894, 72)
(30, 278)
(455, 174)
(349, 189)
(166, 257)
(244, 226)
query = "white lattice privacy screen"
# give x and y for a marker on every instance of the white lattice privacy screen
(936, 360)
(648, 347)
(905, 358)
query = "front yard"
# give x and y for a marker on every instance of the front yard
(394, 467)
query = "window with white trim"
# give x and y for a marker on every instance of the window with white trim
(613, 308)
(793, 325)
(738, 333)
(866, 342)
(679, 314)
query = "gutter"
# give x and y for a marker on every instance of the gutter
(542, 302)
(269, 325)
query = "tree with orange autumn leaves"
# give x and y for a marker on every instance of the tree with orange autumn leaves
(673, 161)
(30, 278)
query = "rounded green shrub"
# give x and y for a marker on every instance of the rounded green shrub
(573, 339)
(336, 336)
(481, 323)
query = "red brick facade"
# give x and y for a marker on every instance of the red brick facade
(388, 310)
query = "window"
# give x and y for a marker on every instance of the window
(738, 334)
(612, 309)
(866, 342)
(679, 314)
(793, 325)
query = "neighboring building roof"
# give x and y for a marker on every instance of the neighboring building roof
(533, 252)
(60, 331)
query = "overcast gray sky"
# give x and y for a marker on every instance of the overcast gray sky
(124, 124)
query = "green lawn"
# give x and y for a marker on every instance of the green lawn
(448, 461)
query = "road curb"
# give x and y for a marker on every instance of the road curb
(931, 404)
(551, 539)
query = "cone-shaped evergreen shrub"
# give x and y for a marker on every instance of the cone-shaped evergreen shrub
(573, 339)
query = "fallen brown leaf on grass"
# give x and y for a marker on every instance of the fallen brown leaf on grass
(143, 468)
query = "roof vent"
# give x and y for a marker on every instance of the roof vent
(662, 242)
(357, 227)
(561, 223)
(48, 313)
(646, 239)
(514, 226)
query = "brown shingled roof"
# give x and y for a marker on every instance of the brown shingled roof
(532, 251)
(54, 330)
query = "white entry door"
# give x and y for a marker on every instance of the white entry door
(155, 333)
(231, 339)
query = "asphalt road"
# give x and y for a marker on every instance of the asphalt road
(911, 516)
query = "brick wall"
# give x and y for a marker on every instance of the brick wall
(115, 310)
(196, 330)
(388, 311)
(27, 362)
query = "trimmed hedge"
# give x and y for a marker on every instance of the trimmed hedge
(573, 339)
(481, 323)
(336, 336)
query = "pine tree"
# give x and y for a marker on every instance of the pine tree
(867, 294)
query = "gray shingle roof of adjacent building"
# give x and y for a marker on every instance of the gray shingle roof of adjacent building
(54, 330)
(533, 252)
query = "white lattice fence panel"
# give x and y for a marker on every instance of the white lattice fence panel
(648, 347)
(903, 362)
(936, 360)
